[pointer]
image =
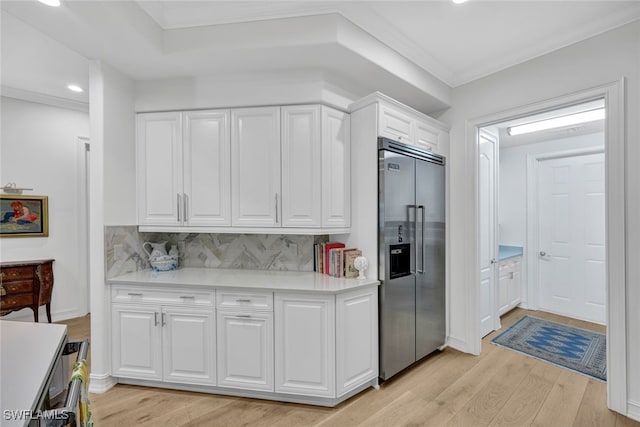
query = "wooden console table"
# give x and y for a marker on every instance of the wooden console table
(26, 284)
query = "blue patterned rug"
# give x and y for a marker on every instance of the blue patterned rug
(573, 348)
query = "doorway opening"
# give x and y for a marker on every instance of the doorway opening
(615, 267)
(542, 215)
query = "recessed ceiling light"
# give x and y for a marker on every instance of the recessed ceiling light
(75, 88)
(459, 1)
(54, 3)
(557, 122)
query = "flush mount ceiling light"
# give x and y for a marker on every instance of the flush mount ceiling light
(75, 88)
(558, 122)
(54, 3)
(459, 1)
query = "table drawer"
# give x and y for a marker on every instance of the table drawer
(12, 301)
(162, 296)
(245, 300)
(17, 273)
(18, 287)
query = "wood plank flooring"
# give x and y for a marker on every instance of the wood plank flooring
(498, 388)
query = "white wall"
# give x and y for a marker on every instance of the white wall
(278, 88)
(40, 150)
(512, 199)
(112, 196)
(594, 62)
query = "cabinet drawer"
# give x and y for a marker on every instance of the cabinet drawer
(18, 286)
(17, 273)
(12, 301)
(162, 296)
(246, 300)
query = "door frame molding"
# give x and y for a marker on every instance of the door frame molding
(533, 221)
(614, 95)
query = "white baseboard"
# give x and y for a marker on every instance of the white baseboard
(100, 383)
(633, 410)
(458, 344)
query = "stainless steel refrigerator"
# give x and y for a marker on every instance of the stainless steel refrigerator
(411, 259)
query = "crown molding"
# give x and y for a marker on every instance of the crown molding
(41, 98)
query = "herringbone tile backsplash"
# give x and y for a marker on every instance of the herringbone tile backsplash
(243, 251)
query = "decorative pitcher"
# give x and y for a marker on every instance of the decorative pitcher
(155, 250)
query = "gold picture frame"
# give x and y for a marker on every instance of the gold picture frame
(24, 216)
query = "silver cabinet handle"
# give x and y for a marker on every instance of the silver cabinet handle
(276, 208)
(187, 296)
(186, 204)
(421, 246)
(543, 253)
(493, 261)
(178, 206)
(243, 316)
(164, 319)
(134, 294)
(243, 300)
(155, 318)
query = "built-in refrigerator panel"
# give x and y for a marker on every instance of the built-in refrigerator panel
(411, 255)
(397, 262)
(430, 269)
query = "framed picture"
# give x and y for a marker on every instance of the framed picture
(23, 216)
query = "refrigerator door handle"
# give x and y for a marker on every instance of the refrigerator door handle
(421, 245)
(415, 235)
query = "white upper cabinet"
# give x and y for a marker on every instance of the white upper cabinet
(316, 164)
(159, 168)
(183, 167)
(255, 165)
(401, 123)
(395, 124)
(207, 168)
(301, 166)
(336, 168)
(245, 170)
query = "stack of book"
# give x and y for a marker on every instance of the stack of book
(335, 259)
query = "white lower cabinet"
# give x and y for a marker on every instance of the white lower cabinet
(305, 344)
(356, 338)
(188, 348)
(245, 350)
(312, 347)
(509, 284)
(155, 342)
(136, 341)
(326, 346)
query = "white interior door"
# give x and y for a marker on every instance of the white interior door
(571, 236)
(487, 202)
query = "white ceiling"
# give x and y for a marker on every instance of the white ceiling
(426, 46)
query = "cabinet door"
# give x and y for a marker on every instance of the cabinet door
(395, 125)
(305, 344)
(516, 283)
(255, 167)
(245, 350)
(504, 283)
(427, 137)
(136, 335)
(188, 341)
(301, 166)
(159, 168)
(356, 338)
(207, 168)
(336, 168)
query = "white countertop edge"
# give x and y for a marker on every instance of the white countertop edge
(265, 280)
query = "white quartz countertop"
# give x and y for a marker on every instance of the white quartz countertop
(298, 281)
(29, 352)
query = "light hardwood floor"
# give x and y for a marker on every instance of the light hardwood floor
(498, 388)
